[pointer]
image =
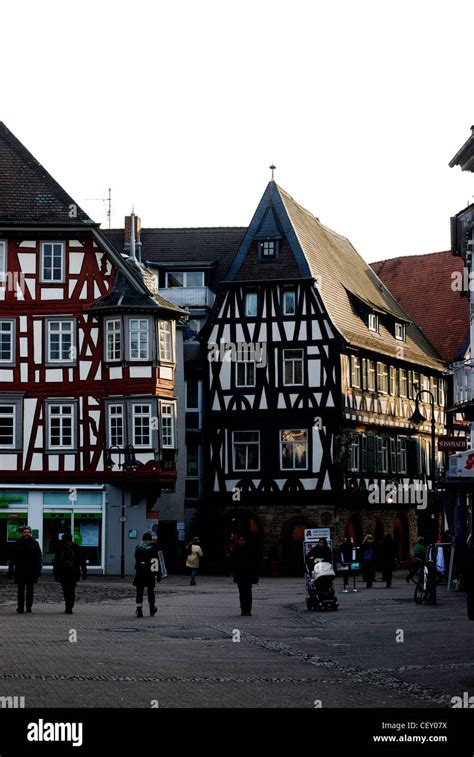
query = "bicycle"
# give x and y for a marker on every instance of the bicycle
(425, 590)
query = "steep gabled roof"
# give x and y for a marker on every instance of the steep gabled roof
(342, 276)
(422, 285)
(28, 193)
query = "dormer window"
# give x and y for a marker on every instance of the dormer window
(400, 331)
(268, 249)
(373, 322)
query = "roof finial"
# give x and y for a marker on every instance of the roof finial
(272, 169)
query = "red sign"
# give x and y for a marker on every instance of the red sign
(153, 515)
(452, 443)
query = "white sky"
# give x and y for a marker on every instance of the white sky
(181, 106)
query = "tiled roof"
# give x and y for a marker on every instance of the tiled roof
(28, 194)
(216, 245)
(422, 286)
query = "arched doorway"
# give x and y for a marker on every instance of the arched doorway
(241, 523)
(292, 541)
(401, 536)
(353, 529)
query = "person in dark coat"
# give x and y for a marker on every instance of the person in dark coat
(245, 571)
(368, 560)
(320, 551)
(68, 564)
(345, 556)
(147, 570)
(25, 567)
(467, 566)
(387, 559)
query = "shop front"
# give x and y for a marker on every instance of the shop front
(51, 512)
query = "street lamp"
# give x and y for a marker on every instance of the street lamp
(417, 419)
(129, 463)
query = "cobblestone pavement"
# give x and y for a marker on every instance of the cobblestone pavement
(188, 654)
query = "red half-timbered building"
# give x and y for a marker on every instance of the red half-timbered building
(87, 368)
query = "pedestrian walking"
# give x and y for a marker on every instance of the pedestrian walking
(194, 554)
(245, 572)
(25, 567)
(147, 571)
(68, 565)
(345, 557)
(387, 559)
(368, 560)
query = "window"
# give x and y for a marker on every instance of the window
(60, 341)
(193, 404)
(268, 249)
(293, 361)
(382, 454)
(185, 279)
(166, 340)
(192, 459)
(382, 378)
(141, 425)
(289, 302)
(403, 382)
(7, 342)
(393, 380)
(116, 426)
(61, 426)
(441, 391)
(373, 322)
(294, 449)
(167, 425)
(425, 383)
(371, 375)
(434, 389)
(251, 302)
(139, 338)
(246, 450)
(52, 262)
(355, 371)
(355, 450)
(3, 261)
(400, 331)
(113, 340)
(191, 328)
(402, 465)
(245, 372)
(7, 426)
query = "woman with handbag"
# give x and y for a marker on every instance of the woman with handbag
(245, 569)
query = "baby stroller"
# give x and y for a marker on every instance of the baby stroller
(319, 586)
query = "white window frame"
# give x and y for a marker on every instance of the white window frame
(373, 322)
(140, 357)
(285, 293)
(13, 417)
(400, 332)
(251, 297)
(168, 412)
(265, 245)
(122, 414)
(392, 381)
(371, 376)
(12, 333)
(43, 278)
(140, 414)
(292, 361)
(3, 261)
(116, 333)
(72, 415)
(355, 453)
(184, 274)
(403, 382)
(382, 454)
(382, 378)
(402, 455)
(441, 392)
(247, 443)
(356, 372)
(61, 360)
(165, 339)
(293, 443)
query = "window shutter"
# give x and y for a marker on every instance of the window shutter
(393, 456)
(371, 451)
(363, 463)
(413, 457)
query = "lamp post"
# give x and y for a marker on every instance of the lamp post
(417, 419)
(129, 463)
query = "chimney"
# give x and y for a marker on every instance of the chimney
(127, 233)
